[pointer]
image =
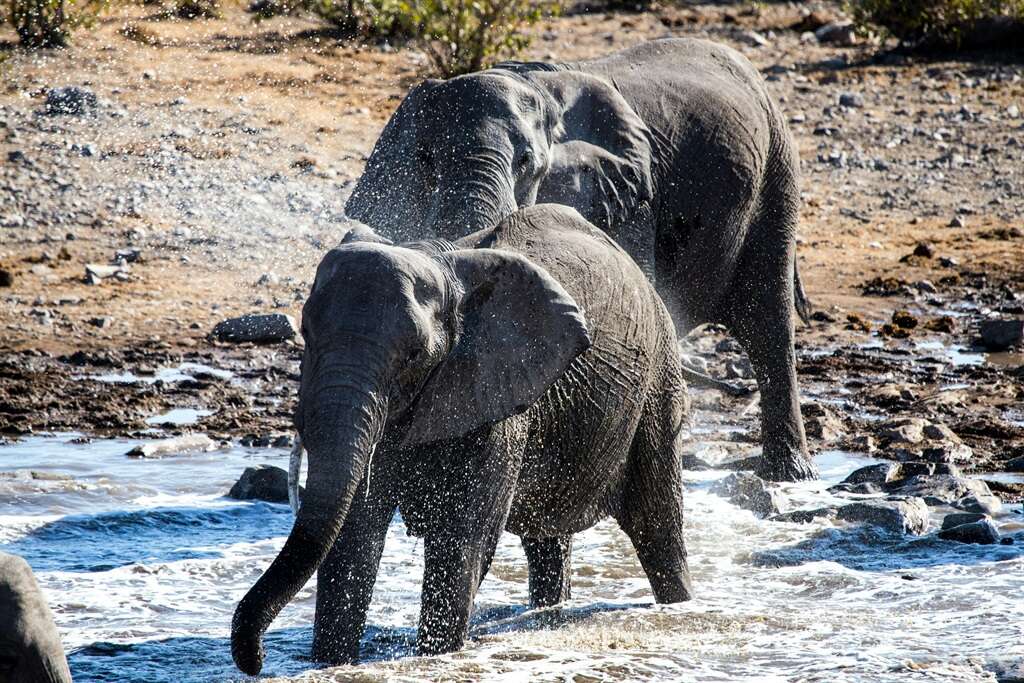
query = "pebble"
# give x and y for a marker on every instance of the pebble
(70, 100)
(268, 328)
(265, 482)
(851, 99)
(958, 222)
(748, 491)
(1000, 335)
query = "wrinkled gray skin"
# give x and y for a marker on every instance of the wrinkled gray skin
(526, 378)
(30, 648)
(673, 147)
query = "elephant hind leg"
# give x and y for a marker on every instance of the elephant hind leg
(550, 561)
(651, 513)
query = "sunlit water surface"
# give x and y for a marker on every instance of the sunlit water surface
(144, 561)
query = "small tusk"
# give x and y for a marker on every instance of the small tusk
(369, 470)
(294, 466)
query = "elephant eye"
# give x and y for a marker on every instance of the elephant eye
(526, 160)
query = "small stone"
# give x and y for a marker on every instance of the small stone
(926, 287)
(268, 328)
(1000, 335)
(822, 423)
(102, 322)
(925, 250)
(189, 443)
(981, 533)
(864, 443)
(959, 518)
(6, 278)
(268, 279)
(1014, 465)
(12, 220)
(958, 222)
(265, 482)
(987, 504)
(851, 99)
(71, 100)
(749, 492)
(837, 33)
(904, 319)
(754, 39)
(1013, 111)
(881, 473)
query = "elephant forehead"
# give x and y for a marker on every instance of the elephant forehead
(379, 268)
(494, 93)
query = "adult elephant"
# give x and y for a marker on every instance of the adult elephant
(673, 147)
(30, 648)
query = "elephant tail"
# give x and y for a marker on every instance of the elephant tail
(804, 308)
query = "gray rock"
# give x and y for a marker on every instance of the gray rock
(942, 489)
(982, 533)
(981, 503)
(948, 453)
(265, 482)
(999, 335)
(937, 431)
(822, 423)
(189, 443)
(903, 430)
(959, 518)
(907, 516)
(804, 516)
(1014, 465)
(837, 33)
(853, 100)
(267, 328)
(881, 473)
(749, 492)
(71, 100)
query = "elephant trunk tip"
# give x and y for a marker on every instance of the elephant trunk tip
(246, 645)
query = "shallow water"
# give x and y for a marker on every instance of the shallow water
(144, 561)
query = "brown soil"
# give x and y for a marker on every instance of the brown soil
(224, 150)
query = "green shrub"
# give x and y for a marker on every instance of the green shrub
(945, 22)
(48, 23)
(461, 36)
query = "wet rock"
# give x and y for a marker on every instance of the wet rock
(908, 430)
(960, 518)
(189, 443)
(266, 328)
(943, 489)
(881, 473)
(981, 503)
(821, 423)
(904, 319)
(1014, 465)
(749, 492)
(804, 516)
(71, 100)
(694, 362)
(941, 324)
(948, 453)
(6, 278)
(999, 335)
(265, 482)
(863, 443)
(907, 516)
(982, 532)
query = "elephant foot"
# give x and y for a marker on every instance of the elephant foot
(785, 465)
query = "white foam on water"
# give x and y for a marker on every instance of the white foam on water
(179, 416)
(144, 573)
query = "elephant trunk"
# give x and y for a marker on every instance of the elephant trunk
(340, 441)
(479, 199)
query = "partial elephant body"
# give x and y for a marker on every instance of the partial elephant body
(30, 647)
(672, 147)
(530, 382)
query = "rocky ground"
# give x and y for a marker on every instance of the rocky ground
(203, 168)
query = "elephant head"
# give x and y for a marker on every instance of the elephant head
(423, 343)
(461, 155)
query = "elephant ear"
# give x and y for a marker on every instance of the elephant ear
(601, 140)
(388, 191)
(520, 332)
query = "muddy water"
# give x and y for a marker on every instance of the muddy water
(144, 561)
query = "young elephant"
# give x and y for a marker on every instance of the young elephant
(30, 648)
(525, 378)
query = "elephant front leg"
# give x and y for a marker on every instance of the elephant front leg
(345, 579)
(550, 561)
